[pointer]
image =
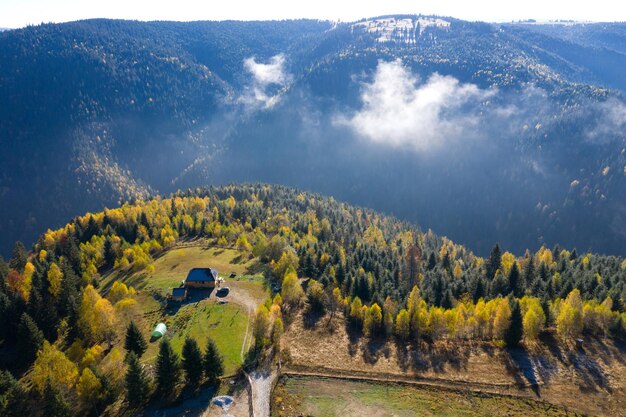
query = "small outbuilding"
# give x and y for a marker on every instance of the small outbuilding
(159, 331)
(201, 278)
(178, 294)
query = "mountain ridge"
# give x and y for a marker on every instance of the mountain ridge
(163, 105)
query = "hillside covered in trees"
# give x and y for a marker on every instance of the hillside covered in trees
(68, 336)
(522, 142)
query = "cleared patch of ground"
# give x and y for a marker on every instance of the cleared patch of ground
(325, 397)
(202, 315)
(224, 323)
(591, 379)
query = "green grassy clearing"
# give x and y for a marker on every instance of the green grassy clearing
(225, 323)
(328, 397)
(172, 267)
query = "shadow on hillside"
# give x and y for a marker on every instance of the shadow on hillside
(427, 356)
(522, 367)
(194, 296)
(588, 369)
(131, 279)
(353, 339)
(310, 318)
(373, 349)
(536, 367)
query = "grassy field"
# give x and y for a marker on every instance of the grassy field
(225, 322)
(322, 397)
(172, 267)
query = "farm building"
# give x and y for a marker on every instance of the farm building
(201, 278)
(159, 331)
(178, 294)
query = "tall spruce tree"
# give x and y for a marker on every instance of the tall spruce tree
(494, 262)
(13, 398)
(137, 381)
(54, 404)
(135, 342)
(513, 334)
(167, 368)
(528, 278)
(192, 362)
(514, 281)
(18, 257)
(213, 363)
(29, 339)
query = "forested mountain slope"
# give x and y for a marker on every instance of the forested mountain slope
(521, 140)
(59, 299)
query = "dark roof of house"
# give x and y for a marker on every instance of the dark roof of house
(201, 274)
(179, 292)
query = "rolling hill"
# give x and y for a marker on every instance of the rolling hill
(327, 270)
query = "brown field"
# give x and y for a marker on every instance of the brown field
(326, 397)
(590, 380)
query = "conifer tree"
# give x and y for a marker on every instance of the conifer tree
(54, 405)
(29, 339)
(18, 257)
(514, 281)
(13, 398)
(529, 275)
(514, 333)
(213, 363)
(135, 342)
(137, 382)
(192, 362)
(167, 368)
(494, 262)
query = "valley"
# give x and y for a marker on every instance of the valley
(523, 123)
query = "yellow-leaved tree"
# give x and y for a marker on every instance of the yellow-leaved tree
(569, 322)
(534, 318)
(402, 327)
(96, 316)
(291, 291)
(52, 364)
(372, 321)
(89, 388)
(55, 277)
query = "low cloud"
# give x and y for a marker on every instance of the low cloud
(400, 111)
(267, 81)
(610, 122)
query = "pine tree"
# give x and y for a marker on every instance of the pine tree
(529, 275)
(135, 342)
(13, 398)
(137, 382)
(192, 362)
(494, 262)
(54, 405)
(514, 333)
(29, 339)
(432, 261)
(479, 289)
(109, 253)
(18, 257)
(213, 363)
(167, 368)
(514, 281)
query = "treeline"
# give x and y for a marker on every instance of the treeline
(355, 259)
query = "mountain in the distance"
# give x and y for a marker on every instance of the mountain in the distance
(484, 132)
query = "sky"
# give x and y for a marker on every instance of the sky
(19, 13)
